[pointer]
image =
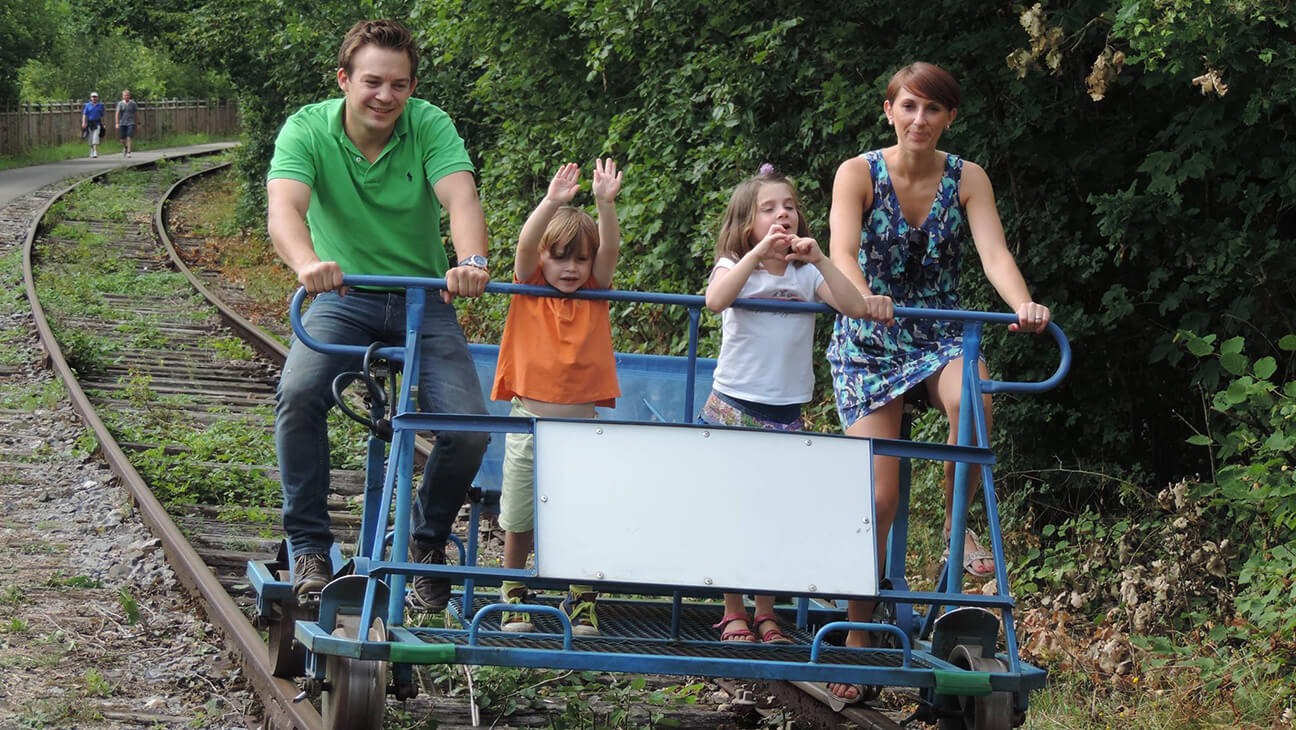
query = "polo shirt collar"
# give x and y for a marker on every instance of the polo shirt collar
(338, 131)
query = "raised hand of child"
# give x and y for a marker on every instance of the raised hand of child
(804, 249)
(775, 239)
(607, 180)
(565, 183)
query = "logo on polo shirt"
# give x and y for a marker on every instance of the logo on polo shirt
(409, 176)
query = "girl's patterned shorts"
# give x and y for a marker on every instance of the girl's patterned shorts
(719, 413)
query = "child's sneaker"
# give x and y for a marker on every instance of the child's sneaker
(581, 606)
(516, 622)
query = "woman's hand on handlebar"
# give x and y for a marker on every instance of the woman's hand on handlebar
(880, 308)
(1031, 317)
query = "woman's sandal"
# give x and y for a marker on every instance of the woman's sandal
(972, 556)
(863, 692)
(859, 692)
(770, 636)
(744, 635)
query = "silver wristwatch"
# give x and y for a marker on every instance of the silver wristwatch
(476, 261)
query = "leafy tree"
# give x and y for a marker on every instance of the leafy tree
(26, 31)
(89, 52)
(1136, 205)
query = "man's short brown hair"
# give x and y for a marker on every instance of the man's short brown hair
(382, 33)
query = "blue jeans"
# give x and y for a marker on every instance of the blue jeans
(447, 384)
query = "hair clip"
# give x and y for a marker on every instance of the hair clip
(765, 170)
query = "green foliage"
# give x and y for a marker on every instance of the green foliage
(77, 581)
(1251, 431)
(1196, 236)
(85, 353)
(91, 49)
(31, 396)
(587, 699)
(129, 606)
(230, 348)
(27, 30)
(96, 684)
(1146, 221)
(209, 471)
(1203, 583)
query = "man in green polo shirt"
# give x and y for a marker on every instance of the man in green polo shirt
(357, 185)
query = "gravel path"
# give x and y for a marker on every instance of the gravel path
(95, 630)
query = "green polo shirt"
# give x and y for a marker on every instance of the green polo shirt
(380, 218)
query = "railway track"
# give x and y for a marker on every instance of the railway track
(177, 387)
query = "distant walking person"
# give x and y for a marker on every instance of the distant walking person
(92, 122)
(127, 111)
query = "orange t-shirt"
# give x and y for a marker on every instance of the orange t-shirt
(556, 350)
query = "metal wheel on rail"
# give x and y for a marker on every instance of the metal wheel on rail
(287, 657)
(356, 694)
(988, 712)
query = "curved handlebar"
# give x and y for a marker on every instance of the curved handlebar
(475, 627)
(691, 301)
(816, 646)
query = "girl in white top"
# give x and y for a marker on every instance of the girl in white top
(765, 373)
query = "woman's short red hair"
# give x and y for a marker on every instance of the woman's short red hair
(928, 81)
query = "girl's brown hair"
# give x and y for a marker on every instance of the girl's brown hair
(570, 231)
(928, 81)
(736, 232)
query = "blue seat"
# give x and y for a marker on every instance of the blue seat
(652, 390)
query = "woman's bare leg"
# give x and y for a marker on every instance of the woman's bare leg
(882, 423)
(945, 389)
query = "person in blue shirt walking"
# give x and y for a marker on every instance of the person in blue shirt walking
(92, 122)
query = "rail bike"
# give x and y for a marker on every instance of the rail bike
(644, 503)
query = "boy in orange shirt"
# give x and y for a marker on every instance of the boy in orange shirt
(555, 358)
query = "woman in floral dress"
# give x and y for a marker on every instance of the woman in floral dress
(899, 220)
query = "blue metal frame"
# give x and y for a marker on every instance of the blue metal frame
(915, 665)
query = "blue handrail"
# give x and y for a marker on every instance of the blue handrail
(693, 302)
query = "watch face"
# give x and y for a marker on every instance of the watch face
(477, 261)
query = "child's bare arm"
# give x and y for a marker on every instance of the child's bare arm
(726, 283)
(562, 189)
(607, 183)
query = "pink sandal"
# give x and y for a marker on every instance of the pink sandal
(744, 635)
(774, 635)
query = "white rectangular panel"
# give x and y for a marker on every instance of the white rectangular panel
(698, 506)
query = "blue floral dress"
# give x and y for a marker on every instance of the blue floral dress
(872, 364)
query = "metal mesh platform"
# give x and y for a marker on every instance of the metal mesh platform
(643, 627)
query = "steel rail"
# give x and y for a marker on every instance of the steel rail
(260, 340)
(277, 694)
